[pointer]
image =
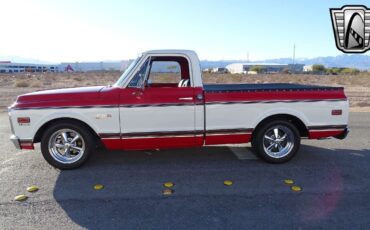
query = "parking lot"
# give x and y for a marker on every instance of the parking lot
(333, 174)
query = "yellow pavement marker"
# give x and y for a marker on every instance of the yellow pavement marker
(168, 192)
(168, 184)
(98, 187)
(228, 182)
(296, 188)
(288, 182)
(20, 198)
(32, 188)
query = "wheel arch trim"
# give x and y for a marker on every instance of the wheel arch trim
(297, 119)
(55, 117)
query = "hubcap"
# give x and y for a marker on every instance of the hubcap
(278, 141)
(66, 146)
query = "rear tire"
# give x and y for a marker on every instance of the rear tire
(276, 141)
(67, 145)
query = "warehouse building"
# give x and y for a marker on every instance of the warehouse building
(9, 67)
(244, 68)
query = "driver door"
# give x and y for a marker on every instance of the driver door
(157, 115)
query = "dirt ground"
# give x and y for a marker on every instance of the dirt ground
(357, 87)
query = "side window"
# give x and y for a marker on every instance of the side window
(165, 72)
(139, 78)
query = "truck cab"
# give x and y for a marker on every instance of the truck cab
(163, 99)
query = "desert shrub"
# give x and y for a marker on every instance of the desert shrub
(333, 71)
(363, 104)
(318, 68)
(350, 71)
(258, 69)
(36, 84)
(21, 83)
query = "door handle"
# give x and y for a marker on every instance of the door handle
(186, 98)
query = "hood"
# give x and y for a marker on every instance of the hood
(60, 97)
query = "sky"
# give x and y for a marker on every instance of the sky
(82, 30)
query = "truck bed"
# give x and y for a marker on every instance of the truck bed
(265, 87)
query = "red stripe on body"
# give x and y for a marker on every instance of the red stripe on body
(317, 134)
(112, 144)
(159, 95)
(157, 143)
(227, 139)
(162, 95)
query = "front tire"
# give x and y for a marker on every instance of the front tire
(277, 141)
(67, 145)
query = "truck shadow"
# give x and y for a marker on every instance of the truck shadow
(132, 197)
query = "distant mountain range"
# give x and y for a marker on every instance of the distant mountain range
(353, 61)
(18, 59)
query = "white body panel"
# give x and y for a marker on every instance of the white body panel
(97, 118)
(234, 116)
(157, 119)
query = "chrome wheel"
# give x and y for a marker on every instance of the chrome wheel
(66, 146)
(278, 141)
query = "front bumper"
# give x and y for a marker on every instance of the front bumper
(15, 141)
(343, 135)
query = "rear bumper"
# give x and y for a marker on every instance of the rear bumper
(343, 135)
(15, 141)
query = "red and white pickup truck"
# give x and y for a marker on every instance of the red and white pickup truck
(140, 112)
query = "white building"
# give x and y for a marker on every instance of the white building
(307, 68)
(267, 67)
(219, 70)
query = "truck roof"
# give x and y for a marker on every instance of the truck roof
(195, 70)
(174, 51)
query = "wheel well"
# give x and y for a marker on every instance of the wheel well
(45, 126)
(303, 131)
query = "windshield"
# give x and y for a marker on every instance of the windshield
(127, 71)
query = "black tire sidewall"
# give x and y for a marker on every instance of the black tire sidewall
(258, 141)
(86, 135)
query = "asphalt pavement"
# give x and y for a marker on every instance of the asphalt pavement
(334, 176)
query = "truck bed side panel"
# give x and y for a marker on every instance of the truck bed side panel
(243, 107)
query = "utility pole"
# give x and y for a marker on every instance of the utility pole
(293, 54)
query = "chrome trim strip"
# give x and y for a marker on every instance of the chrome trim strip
(177, 104)
(270, 101)
(156, 136)
(68, 107)
(325, 130)
(187, 133)
(326, 127)
(223, 134)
